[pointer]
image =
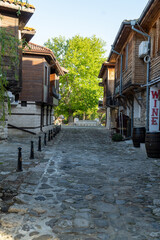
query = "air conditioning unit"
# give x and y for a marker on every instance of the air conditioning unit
(143, 49)
(14, 103)
(12, 99)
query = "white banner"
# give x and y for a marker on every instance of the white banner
(154, 110)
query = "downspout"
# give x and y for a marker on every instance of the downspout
(106, 96)
(148, 72)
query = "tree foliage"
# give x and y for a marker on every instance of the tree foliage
(83, 57)
(8, 48)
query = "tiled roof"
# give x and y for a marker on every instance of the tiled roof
(33, 48)
(37, 48)
(19, 3)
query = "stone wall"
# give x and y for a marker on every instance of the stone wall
(3, 125)
(29, 118)
(140, 110)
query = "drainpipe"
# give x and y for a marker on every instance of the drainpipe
(106, 96)
(148, 71)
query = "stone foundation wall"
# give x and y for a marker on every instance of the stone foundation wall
(3, 125)
(29, 118)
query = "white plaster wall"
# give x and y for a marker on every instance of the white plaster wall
(140, 111)
(108, 125)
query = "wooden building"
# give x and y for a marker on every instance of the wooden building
(133, 55)
(14, 15)
(14, 23)
(107, 73)
(150, 23)
(40, 91)
(130, 74)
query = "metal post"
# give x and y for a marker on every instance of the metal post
(19, 165)
(39, 144)
(32, 151)
(45, 136)
(51, 135)
(147, 97)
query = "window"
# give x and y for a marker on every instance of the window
(46, 75)
(153, 40)
(158, 35)
(47, 116)
(50, 116)
(24, 103)
(119, 67)
(126, 63)
(124, 59)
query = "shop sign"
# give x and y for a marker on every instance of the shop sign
(154, 110)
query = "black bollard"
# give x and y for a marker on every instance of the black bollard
(54, 132)
(45, 142)
(32, 151)
(39, 144)
(19, 165)
(49, 136)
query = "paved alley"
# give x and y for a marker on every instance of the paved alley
(82, 186)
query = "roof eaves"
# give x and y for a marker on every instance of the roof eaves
(145, 10)
(125, 22)
(105, 65)
(33, 48)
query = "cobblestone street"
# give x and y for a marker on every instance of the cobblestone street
(82, 186)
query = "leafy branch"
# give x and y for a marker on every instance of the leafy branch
(9, 62)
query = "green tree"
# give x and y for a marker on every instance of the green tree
(9, 60)
(83, 57)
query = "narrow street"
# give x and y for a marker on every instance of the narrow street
(86, 187)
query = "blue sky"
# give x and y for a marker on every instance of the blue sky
(102, 18)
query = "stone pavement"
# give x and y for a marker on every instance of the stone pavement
(82, 186)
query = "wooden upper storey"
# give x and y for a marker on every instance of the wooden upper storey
(107, 73)
(40, 71)
(13, 17)
(12, 8)
(150, 22)
(133, 68)
(127, 44)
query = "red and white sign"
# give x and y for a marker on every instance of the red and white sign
(154, 125)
